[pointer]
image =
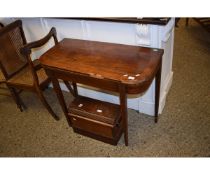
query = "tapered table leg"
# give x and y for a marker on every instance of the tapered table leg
(60, 97)
(187, 22)
(75, 89)
(68, 85)
(157, 93)
(123, 110)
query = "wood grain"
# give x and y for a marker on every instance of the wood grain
(115, 62)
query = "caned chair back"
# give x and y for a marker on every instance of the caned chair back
(1, 74)
(12, 38)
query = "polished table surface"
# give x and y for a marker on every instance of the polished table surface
(130, 65)
(115, 67)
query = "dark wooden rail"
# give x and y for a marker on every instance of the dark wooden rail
(155, 21)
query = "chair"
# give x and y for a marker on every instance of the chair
(11, 92)
(17, 66)
(3, 87)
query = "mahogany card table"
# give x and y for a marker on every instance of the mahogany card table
(124, 69)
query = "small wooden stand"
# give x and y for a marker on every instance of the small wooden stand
(96, 119)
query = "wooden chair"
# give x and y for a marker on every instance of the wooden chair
(18, 68)
(3, 87)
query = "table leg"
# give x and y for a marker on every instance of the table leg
(187, 22)
(68, 85)
(157, 93)
(75, 89)
(60, 97)
(123, 110)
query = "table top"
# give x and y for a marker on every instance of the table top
(117, 62)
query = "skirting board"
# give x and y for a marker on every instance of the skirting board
(166, 89)
(134, 102)
(148, 108)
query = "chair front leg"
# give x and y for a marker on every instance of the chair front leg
(16, 98)
(45, 103)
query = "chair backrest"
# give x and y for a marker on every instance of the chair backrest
(2, 79)
(12, 38)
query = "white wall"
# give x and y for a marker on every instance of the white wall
(132, 34)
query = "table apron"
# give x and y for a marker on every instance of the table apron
(78, 78)
(102, 83)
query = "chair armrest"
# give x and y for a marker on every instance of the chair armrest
(37, 65)
(26, 49)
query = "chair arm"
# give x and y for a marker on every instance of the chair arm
(26, 49)
(37, 65)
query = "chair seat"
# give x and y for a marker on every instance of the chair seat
(25, 77)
